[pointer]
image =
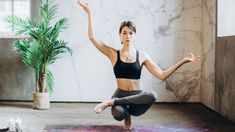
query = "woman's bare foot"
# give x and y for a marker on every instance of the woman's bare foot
(101, 106)
(127, 124)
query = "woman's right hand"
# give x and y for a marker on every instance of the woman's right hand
(83, 5)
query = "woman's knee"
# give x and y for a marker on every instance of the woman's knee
(152, 96)
(137, 110)
(137, 113)
(119, 112)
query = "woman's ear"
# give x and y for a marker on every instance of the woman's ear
(120, 38)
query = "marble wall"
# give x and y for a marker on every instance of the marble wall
(166, 29)
(208, 52)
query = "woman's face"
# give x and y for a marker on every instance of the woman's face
(127, 35)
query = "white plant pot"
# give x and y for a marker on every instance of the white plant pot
(41, 101)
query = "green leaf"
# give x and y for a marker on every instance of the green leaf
(50, 81)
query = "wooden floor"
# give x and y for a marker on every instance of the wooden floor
(82, 113)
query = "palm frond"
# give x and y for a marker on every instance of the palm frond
(56, 49)
(52, 10)
(21, 46)
(50, 81)
(48, 11)
(53, 33)
(34, 56)
(61, 24)
(21, 26)
(44, 11)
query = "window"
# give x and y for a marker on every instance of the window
(12, 7)
(225, 18)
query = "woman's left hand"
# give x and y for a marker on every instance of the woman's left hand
(190, 58)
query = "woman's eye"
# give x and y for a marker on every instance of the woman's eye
(124, 33)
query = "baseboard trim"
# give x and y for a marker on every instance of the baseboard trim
(97, 102)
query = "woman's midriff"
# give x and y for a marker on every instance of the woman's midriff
(128, 84)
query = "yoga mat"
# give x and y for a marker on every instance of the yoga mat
(117, 128)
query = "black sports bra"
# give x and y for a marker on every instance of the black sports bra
(127, 70)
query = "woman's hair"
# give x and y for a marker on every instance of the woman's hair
(129, 24)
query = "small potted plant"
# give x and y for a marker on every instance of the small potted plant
(41, 49)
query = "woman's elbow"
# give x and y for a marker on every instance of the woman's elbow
(164, 75)
(93, 40)
(162, 78)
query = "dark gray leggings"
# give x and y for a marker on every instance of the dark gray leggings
(133, 103)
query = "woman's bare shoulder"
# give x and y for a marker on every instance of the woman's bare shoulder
(112, 54)
(144, 56)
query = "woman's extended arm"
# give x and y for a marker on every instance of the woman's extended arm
(97, 43)
(157, 72)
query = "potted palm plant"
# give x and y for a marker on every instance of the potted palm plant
(41, 49)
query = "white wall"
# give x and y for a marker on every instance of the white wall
(226, 17)
(166, 29)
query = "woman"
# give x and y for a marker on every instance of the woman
(127, 63)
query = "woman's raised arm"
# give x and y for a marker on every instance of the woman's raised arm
(97, 43)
